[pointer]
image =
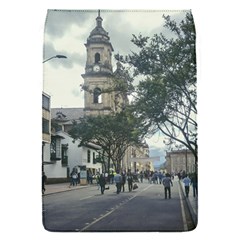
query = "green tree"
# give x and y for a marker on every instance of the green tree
(114, 133)
(166, 98)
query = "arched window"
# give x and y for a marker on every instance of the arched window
(97, 58)
(97, 95)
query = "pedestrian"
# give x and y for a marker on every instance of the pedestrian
(90, 178)
(79, 177)
(123, 182)
(73, 177)
(111, 177)
(179, 176)
(118, 180)
(187, 181)
(194, 183)
(167, 183)
(141, 177)
(102, 183)
(130, 182)
(160, 177)
(155, 176)
(97, 180)
(44, 179)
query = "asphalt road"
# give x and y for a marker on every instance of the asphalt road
(144, 209)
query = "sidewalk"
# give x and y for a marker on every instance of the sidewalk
(62, 187)
(192, 203)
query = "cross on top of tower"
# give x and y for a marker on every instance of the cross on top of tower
(99, 20)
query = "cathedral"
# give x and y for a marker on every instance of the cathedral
(100, 96)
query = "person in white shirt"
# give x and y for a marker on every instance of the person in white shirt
(118, 181)
(187, 182)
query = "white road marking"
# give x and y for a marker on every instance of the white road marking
(85, 198)
(113, 209)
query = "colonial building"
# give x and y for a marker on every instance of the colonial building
(180, 161)
(62, 155)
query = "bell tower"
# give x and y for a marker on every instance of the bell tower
(98, 72)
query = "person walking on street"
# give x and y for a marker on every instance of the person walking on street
(160, 177)
(97, 180)
(74, 177)
(44, 179)
(130, 182)
(155, 175)
(194, 183)
(102, 183)
(118, 181)
(79, 177)
(123, 182)
(187, 182)
(141, 177)
(111, 177)
(167, 183)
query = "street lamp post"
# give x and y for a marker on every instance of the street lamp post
(43, 144)
(57, 56)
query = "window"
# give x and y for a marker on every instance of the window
(45, 102)
(64, 154)
(45, 126)
(97, 96)
(88, 156)
(97, 58)
(94, 161)
(55, 149)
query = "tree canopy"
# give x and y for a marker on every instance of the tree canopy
(166, 97)
(114, 133)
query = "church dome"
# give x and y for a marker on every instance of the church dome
(99, 30)
(99, 34)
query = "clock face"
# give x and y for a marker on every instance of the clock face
(96, 68)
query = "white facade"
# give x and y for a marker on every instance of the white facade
(77, 156)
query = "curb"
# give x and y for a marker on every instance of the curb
(194, 215)
(66, 190)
